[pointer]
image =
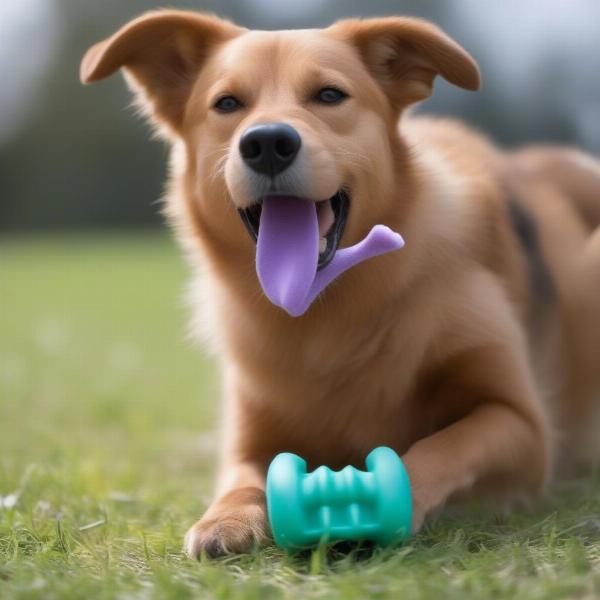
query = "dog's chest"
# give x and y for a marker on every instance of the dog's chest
(341, 425)
(335, 402)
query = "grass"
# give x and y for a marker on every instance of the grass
(107, 447)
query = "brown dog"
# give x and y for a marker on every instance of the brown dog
(471, 352)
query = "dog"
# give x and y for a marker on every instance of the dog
(472, 352)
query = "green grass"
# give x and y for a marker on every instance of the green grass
(107, 447)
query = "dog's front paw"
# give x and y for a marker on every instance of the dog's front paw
(235, 524)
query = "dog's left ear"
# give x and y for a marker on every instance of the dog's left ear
(162, 52)
(405, 54)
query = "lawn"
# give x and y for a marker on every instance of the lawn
(107, 447)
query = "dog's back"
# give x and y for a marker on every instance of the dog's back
(550, 199)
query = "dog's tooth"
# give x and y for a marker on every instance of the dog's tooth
(322, 245)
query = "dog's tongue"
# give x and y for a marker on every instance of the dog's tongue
(287, 249)
(287, 253)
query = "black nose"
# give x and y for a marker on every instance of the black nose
(270, 148)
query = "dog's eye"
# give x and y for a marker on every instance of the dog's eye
(227, 104)
(330, 95)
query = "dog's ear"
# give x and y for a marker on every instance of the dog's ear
(161, 53)
(405, 55)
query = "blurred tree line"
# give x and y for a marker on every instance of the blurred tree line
(81, 159)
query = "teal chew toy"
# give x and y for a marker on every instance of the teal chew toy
(326, 506)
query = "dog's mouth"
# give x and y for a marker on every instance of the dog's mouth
(331, 215)
(297, 241)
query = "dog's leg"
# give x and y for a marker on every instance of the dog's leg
(236, 521)
(502, 441)
(585, 292)
(582, 400)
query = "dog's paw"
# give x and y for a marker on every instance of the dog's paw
(235, 524)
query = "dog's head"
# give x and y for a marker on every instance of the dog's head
(308, 113)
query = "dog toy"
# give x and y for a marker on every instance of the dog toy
(323, 506)
(287, 253)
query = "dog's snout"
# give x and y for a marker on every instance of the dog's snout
(270, 148)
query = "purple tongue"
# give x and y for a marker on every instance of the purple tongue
(288, 252)
(288, 249)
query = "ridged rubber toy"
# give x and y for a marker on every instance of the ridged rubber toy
(324, 506)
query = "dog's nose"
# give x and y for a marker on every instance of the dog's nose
(270, 148)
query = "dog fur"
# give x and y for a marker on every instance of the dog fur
(472, 352)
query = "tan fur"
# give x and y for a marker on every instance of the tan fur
(439, 350)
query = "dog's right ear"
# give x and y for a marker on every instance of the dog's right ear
(161, 52)
(405, 55)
